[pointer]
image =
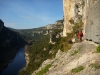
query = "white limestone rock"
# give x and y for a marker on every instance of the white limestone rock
(86, 10)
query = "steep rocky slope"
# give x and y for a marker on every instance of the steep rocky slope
(81, 59)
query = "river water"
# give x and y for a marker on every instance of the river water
(17, 64)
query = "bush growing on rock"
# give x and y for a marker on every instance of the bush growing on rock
(77, 69)
(44, 70)
(98, 49)
(95, 65)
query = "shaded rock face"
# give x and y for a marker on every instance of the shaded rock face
(9, 38)
(92, 28)
(1, 24)
(85, 10)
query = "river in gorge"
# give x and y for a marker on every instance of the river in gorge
(17, 63)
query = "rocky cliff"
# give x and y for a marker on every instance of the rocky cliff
(81, 59)
(9, 38)
(85, 10)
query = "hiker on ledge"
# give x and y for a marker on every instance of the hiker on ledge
(80, 35)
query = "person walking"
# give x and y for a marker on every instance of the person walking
(80, 35)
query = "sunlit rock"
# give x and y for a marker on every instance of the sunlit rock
(86, 10)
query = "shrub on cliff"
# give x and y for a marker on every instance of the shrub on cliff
(77, 69)
(44, 70)
(77, 26)
(98, 49)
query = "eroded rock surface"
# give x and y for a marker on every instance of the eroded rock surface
(86, 10)
(81, 54)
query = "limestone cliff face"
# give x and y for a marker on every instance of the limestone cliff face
(68, 7)
(74, 10)
(92, 28)
(85, 10)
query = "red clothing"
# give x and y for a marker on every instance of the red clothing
(80, 35)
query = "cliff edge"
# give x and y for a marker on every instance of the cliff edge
(81, 59)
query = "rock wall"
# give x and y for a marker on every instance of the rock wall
(74, 11)
(68, 7)
(92, 28)
(85, 10)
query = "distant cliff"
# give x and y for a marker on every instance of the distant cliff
(86, 10)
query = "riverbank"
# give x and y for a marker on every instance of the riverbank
(26, 55)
